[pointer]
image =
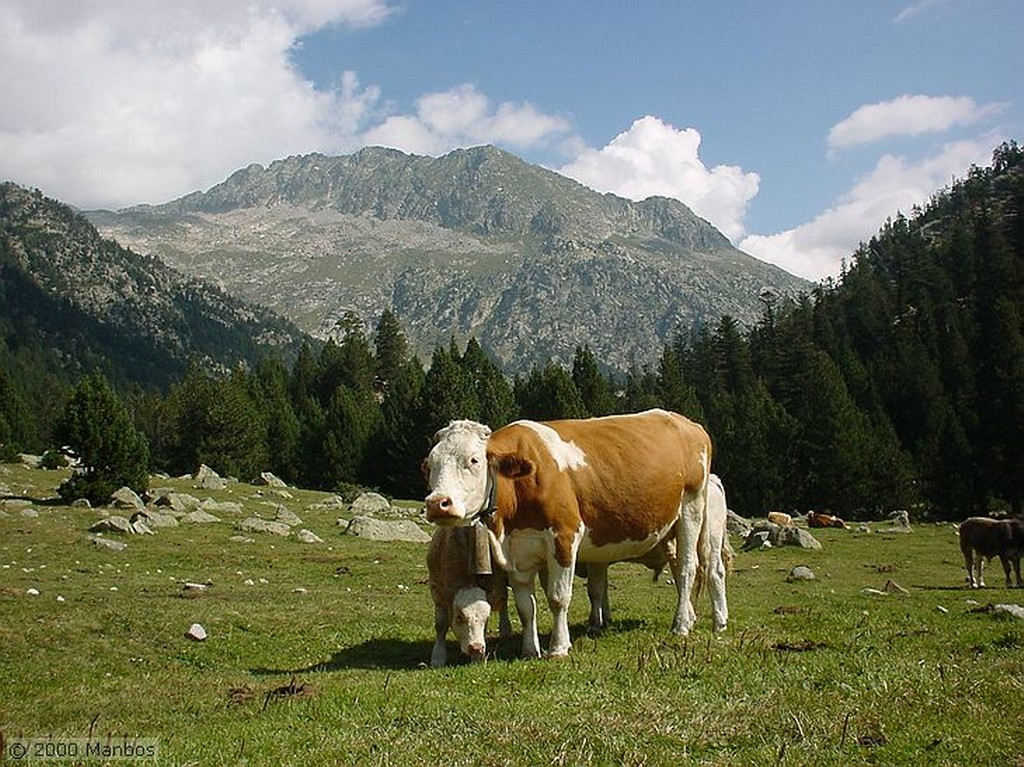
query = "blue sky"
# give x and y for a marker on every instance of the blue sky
(796, 127)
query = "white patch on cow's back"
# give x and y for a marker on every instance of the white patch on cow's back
(567, 455)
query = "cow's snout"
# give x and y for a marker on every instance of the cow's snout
(477, 652)
(439, 507)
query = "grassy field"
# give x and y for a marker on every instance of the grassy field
(317, 654)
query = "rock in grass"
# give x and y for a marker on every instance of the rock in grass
(257, 525)
(380, 530)
(112, 524)
(1014, 611)
(108, 544)
(801, 573)
(126, 498)
(196, 633)
(308, 536)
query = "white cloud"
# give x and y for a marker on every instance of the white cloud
(463, 116)
(816, 249)
(907, 116)
(654, 158)
(124, 102)
(918, 8)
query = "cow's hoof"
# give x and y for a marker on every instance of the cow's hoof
(558, 653)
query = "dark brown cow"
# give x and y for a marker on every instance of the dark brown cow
(982, 538)
(600, 490)
(814, 519)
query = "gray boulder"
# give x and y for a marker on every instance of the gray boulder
(370, 503)
(308, 536)
(287, 517)
(257, 525)
(207, 479)
(779, 535)
(269, 480)
(154, 518)
(113, 524)
(800, 573)
(387, 530)
(107, 544)
(126, 498)
(199, 517)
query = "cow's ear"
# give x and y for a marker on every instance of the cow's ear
(513, 466)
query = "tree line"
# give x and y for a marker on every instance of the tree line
(898, 385)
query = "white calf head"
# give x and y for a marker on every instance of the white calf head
(456, 470)
(470, 611)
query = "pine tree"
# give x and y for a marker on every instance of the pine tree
(594, 388)
(548, 393)
(96, 426)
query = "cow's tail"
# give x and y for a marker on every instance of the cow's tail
(496, 551)
(704, 539)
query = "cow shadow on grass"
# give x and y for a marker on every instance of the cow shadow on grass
(395, 654)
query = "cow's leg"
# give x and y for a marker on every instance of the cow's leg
(559, 594)
(439, 655)
(1016, 568)
(1005, 562)
(969, 566)
(688, 530)
(980, 562)
(597, 590)
(716, 587)
(526, 606)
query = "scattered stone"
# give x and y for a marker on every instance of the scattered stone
(31, 461)
(299, 590)
(107, 543)
(113, 524)
(176, 502)
(60, 598)
(207, 479)
(892, 587)
(1014, 611)
(737, 525)
(874, 592)
(199, 517)
(154, 519)
(35, 592)
(942, 609)
(30, 513)
(196, 633)
(81, 503)
(287, 517)
(380, 530)
(126, 498)
(240, 539)
(257, 525)
(900, 522)
(14, 504)
(269, 479)
(308, 536)
(222, 507)
(801, 573)
(141, 528)
(370, 503)
(249, 582)
(331, 502)
(779, 535)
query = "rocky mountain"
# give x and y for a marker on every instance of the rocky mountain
(66, 290)
(474, 243)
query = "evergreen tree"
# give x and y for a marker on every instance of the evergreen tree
(594, 388)
(493, 393)
(391, 349)
(548, 393)
(96, 426)
(448, 392)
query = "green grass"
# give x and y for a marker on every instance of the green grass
(815, 673)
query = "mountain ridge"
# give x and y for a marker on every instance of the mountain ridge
(474, 243)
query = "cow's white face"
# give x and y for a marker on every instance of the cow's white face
(469, 621)
(456, 471)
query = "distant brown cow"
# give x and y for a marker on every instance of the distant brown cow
(982, 538)
(463, 600)
(814, 519)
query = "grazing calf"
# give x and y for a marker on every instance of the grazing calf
(463, 600)
(982, 538)
(714, 571)
(814, 519)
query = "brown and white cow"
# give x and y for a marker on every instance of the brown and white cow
(600, 489)
(463, 600)
(720, 560)
(982, 538)
(816, 520)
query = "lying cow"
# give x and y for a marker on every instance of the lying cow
(780, 518)
(982, 538)
(600, 490)
(719, 564)
(464, 600)
(814, 519)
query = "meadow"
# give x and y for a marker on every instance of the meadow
(317, 654)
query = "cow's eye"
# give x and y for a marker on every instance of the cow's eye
(474, 461)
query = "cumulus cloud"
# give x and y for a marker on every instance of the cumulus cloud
(655, 158)
(463, 116)
(122, 102)
(816, 249)
(911, 115)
